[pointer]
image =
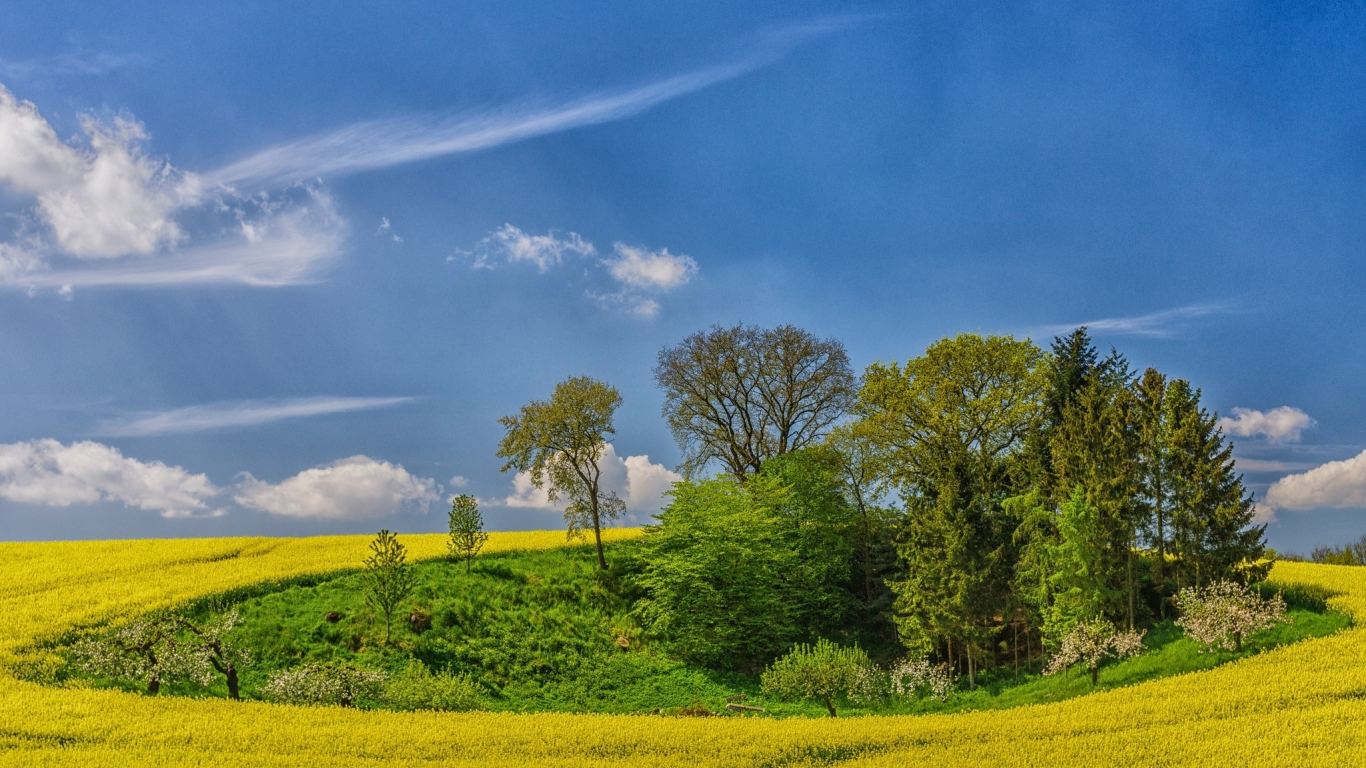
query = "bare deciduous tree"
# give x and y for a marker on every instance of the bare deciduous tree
(744, 394)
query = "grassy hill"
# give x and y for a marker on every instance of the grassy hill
(546, 631)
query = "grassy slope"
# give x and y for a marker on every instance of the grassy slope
(541, 631)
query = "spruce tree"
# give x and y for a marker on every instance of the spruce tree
(1154, 457)
(1212, 532)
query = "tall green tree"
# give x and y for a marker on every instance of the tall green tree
(467, 534)
(1213, 535)
(738, 396)
(952, 424)
(717, 572)
(734, 573)
(387, 579)
(1094, 450)
(559, 443)
(1154, 456)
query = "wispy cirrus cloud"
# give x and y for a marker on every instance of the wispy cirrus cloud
(71, 63)
(106, 213)
(237, 414)
(375, 144)
(1163, 324)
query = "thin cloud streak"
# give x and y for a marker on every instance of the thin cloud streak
(384, 143)
(290, 248)
(1155, 325)
(249, 413)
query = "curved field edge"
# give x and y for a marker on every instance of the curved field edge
(1300, 704)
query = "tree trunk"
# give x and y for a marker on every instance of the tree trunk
(1161, 551)
(972, 671)
(597, 533)
(1095, 670)
(1237, 642)
(467, 564)
(1129, 577)
(1016, 630)
(233, 693)
(828, 705)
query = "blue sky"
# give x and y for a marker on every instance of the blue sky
(266, 271)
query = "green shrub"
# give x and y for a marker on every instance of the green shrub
(825, 671)
(416, 687)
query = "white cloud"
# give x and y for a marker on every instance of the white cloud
(638, 481)
(248, 413)
(1162, 324)
(49, 473)
(104, 200)
(376, 144)
(1337, 484)
(459, 481)
(658, 270)
(356, 488)
(71, 63)
(272, 242)
(1283, 424)
(510, 245)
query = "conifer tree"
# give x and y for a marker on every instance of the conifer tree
(1213, 536)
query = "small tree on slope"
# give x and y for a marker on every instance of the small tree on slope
(1223, 613)
(467, 529)
(387, 578)
(825, 671)
(1093, 642)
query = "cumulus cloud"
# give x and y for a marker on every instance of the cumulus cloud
(356, 488)
(638, 481)
(241, 413)
(1337, 484)
(1278, 425)
(657, 270)
(49, 473)
(636, 271)
(102, 200)
(105, 213)
(510, 245)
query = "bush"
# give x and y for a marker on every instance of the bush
(825, 671)
(416, 687)
(324, 684)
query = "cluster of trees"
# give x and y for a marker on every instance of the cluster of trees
(984, 498)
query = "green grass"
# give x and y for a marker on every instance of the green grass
(544, 631)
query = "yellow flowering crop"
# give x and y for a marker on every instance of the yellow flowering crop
(1299, 705)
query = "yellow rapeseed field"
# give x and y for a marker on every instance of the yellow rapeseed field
(1301, 705)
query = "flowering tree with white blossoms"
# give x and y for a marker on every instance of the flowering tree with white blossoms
(324, 684)
(164, 648)
(1093, 642)
(1223, 613)
(910, 677)
(147, 650)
